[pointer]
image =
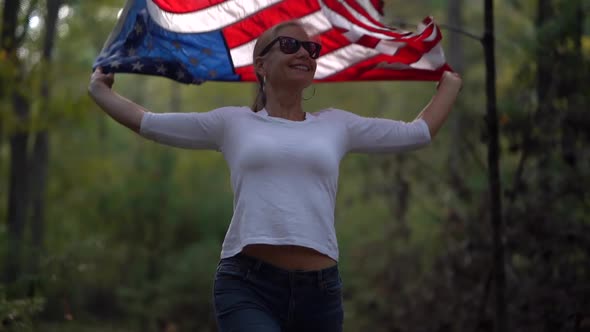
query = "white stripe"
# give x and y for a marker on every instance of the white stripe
(432, 60)
(389, 47)
(341, 59)
(242, 55)
(209, 19)
(368, 7)
(432, 36)
(315, 24)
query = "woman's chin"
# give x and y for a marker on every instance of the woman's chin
(299, 81)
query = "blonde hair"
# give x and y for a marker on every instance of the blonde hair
(264, 39)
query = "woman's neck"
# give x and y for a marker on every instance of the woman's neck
(284, 104)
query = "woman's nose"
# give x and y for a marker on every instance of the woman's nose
(302, 53)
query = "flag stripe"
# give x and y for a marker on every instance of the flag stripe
(250, 28)
(355, 17)
(348, 22)
(350, 17)
(367, 9)
(185, 6)
(210, 19)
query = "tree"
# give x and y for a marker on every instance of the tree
(18, 197)
(40, 154)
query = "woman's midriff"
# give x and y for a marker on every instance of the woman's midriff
(289, 257)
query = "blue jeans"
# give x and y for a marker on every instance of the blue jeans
(251, 295)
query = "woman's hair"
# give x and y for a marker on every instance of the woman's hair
(263, 40)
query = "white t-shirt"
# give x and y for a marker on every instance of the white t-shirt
(284, 174)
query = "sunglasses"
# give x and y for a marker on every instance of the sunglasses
(290, 45)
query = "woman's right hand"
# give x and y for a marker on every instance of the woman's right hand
(100, 79)
(121, 109)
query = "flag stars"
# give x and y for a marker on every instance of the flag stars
(180, 74)
(131, 51)
(115, 64)
(207, 51)
(161, 69)
(194, 61)
(137, 66)
(176, 44)
(212, 73)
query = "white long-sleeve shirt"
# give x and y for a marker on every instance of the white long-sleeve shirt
(284, 174)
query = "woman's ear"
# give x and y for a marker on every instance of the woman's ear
(259, 66)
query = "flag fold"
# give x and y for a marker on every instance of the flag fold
(193, 41)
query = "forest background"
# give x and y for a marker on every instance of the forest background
(104, 231)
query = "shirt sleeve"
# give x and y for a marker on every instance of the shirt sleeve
(377, 135)
(186, 130)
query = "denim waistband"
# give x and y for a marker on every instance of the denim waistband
(255, 264)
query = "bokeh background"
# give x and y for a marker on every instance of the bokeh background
(104, 231)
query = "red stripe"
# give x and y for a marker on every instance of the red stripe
(421, 44)
(246, 73)
(332, 40)
(250, 28)
(185, 6)
(366, 71)
(368, 41)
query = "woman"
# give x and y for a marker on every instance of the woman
(278, 269)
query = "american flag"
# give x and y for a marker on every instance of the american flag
(193, 41)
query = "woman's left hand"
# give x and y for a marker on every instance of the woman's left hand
(450, 79)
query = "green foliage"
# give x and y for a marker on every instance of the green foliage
(133, 229)
(18, 314)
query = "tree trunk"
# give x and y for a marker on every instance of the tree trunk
(18, 197)
(494, 172)
(18, 144)
(40, 155)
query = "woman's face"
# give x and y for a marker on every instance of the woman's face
(295, 70)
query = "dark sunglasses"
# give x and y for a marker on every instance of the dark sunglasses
(290, 45)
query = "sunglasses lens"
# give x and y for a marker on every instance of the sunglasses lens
(312, 48)
(289, 45)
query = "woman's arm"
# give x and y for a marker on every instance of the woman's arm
(117, 107)
(437, 111)
(184, 130)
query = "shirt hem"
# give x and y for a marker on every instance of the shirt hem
(235, 249)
